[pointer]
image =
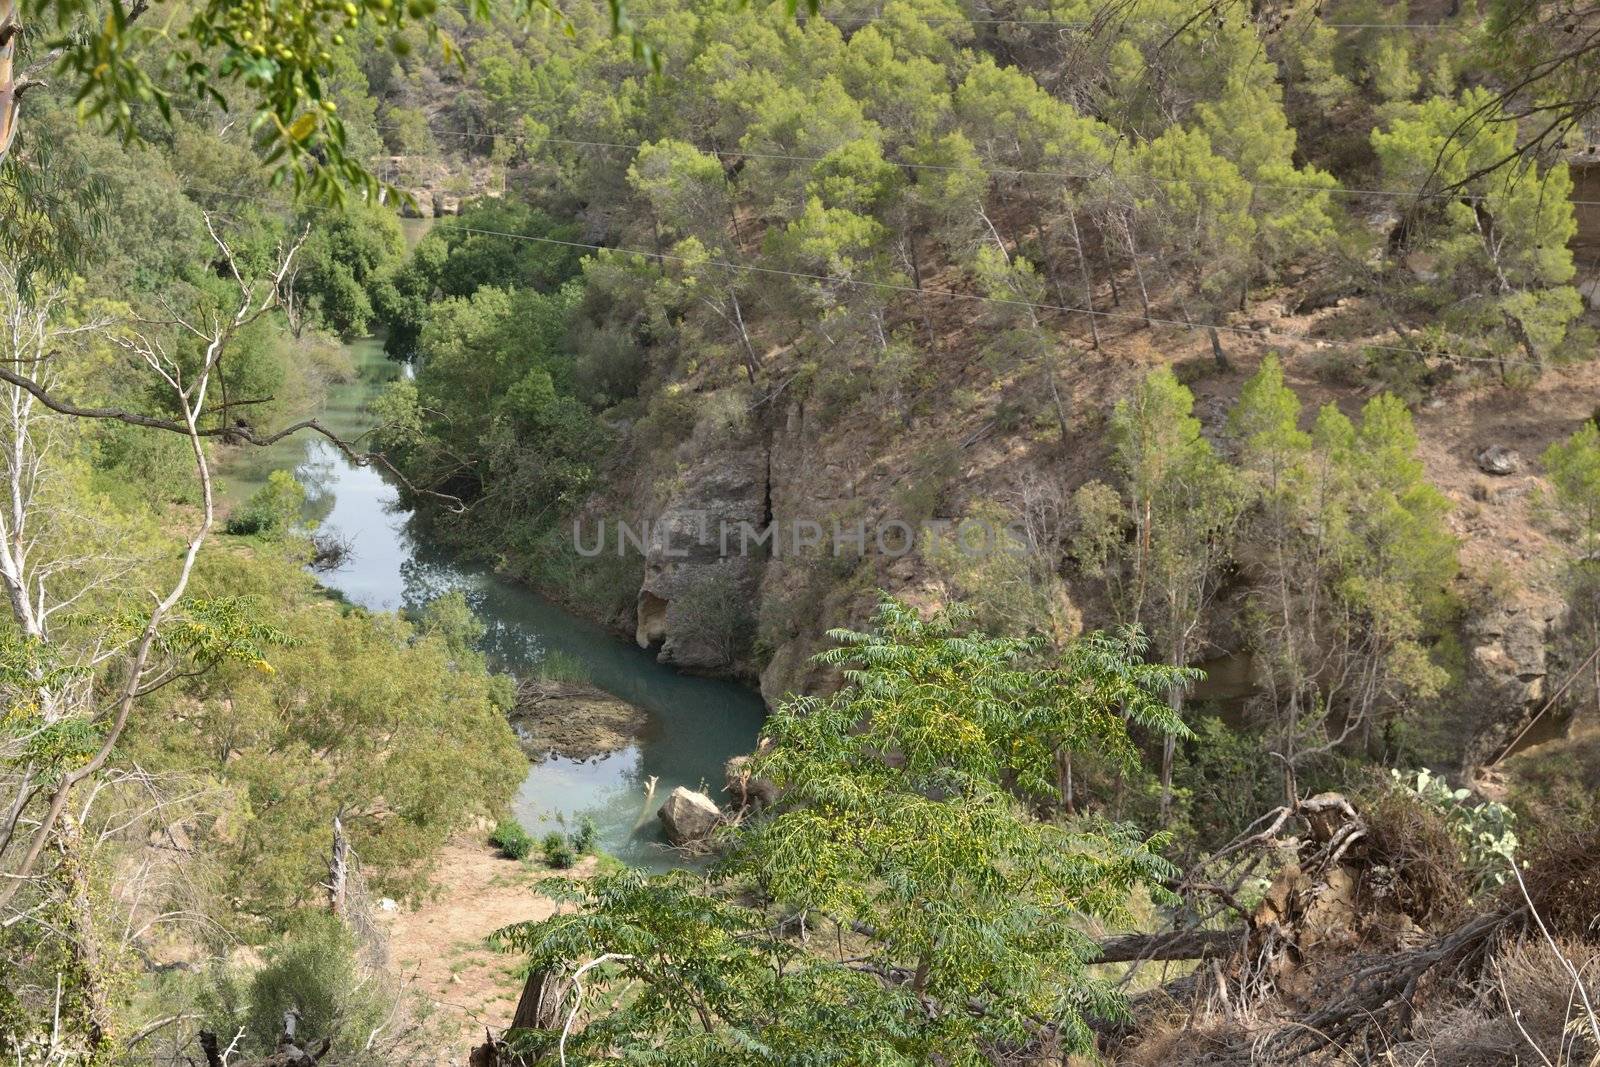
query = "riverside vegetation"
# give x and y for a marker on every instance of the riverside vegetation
(1218, 307)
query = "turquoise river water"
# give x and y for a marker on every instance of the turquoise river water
(695, 724)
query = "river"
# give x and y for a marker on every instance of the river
(695, 724)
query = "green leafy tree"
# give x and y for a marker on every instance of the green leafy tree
(482, 247)
(1353, 584)
(272, 510)
(344, 253)
(964, 915)
(491, 417)
(1183, 504)
(275, 63)
(1501, 251)
(386, 725)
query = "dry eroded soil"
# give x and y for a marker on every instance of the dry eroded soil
(441, 951)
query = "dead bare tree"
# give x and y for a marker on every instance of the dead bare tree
(91, 680)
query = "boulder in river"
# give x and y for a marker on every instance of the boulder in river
(688, 817)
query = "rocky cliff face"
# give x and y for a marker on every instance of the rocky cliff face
(1507, 670)
(763, 613)
(701, 571)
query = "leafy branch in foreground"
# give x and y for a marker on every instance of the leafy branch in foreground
(898, 904)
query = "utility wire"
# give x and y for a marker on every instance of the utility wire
(1305, 190)
(1083, 24)
(1265, 335)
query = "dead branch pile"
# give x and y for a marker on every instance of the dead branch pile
(1364, 945)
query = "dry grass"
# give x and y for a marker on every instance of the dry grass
(1425, 877)
(1526, 1011)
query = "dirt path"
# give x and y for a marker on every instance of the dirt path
(441, 949)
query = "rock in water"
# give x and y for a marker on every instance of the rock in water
(688, 816)
(1498, 459)
(573, 719)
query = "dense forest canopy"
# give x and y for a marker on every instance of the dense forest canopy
(1263, 334)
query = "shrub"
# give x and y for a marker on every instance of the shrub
(583, 838)
(271, 510)
(510, 838)
(1482, 831)
(557, 853)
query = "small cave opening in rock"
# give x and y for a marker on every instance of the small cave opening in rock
(652, 627)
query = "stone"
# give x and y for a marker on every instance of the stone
(703, 559)
(688, 816)
(573, 719)
(1499, 460)
(1589, 290)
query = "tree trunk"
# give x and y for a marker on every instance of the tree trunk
(1083, 270)
(1138, 271)
(338, 870)
(916, 278)
(539, 1007)
(9, 29)
(1169, 748)
(752, 362)
(1216, 351)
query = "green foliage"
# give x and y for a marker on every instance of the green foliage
(583, 838)
(1358, 558)
(1183, 505)
(1483, 831)
(558, 853)
(363, 714)
(509, 837)
(481, 247)
(558, 666)
(490, 415)
(1226, 779)
(279, 65)
(345, 252)
(1573, 467)
(965, 898)
(311, 970)
(272, 511)
(1505, 254)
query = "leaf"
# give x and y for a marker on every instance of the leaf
(302, 127)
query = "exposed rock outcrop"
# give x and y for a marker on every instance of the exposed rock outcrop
(688, 817)
(573, 719)
(1506, 670)
(697, 601)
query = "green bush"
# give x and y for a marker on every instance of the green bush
(272, 510)
(583, 839)
(557, 852)
(509, 837)
(312, 970)
(1482, 831)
